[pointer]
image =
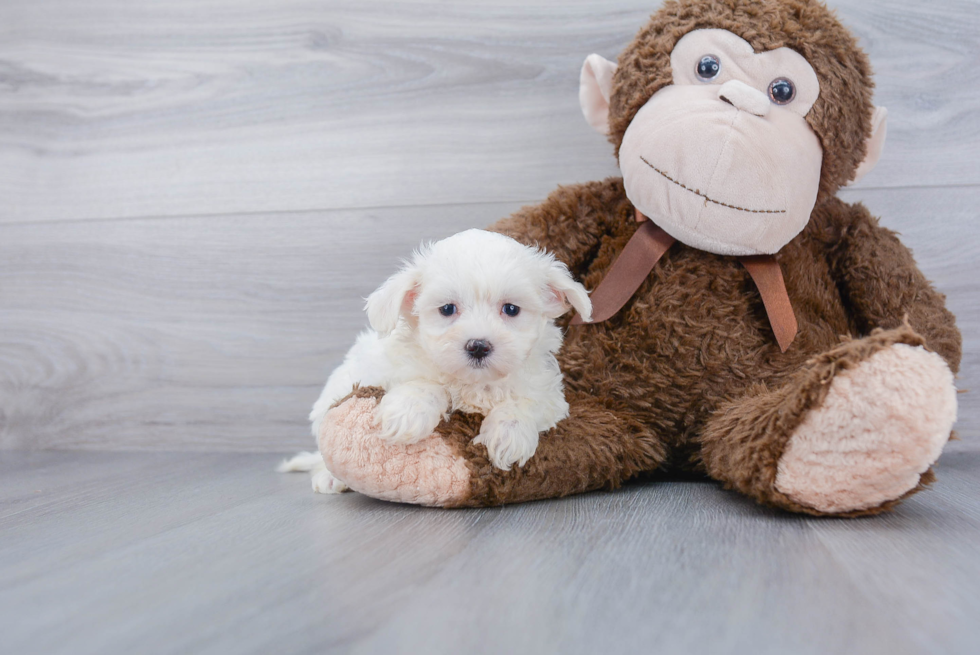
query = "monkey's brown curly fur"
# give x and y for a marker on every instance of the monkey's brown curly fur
(691, 358)
(688, 374)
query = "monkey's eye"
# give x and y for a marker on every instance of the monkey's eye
(782, 91)
(511, 310)
(708, 68)
(447, 310)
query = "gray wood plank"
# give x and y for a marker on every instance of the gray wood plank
(224, 326)
(207, 553)
(216, 333)
(112, 109)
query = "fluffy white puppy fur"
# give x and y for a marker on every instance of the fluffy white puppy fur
(466, 325)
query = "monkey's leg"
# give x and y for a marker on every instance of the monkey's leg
(852, 433)
(595, 447)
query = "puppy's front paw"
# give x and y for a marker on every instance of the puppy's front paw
(407, 415)
(509, 437)
(325, 483)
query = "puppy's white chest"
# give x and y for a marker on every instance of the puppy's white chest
(476, 399)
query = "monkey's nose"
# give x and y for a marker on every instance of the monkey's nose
(744, 97)
(478, 348)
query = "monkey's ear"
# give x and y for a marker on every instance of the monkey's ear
(876, 143)
(595, 87)
(394, 298)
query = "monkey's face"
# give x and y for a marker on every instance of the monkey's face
(723, 159)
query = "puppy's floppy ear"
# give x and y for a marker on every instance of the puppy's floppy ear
(392, 299)
(563, 292)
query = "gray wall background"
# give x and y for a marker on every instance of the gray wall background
(195, 195)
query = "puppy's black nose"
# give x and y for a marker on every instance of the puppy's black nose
(478, 348)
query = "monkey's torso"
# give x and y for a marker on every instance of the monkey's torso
(696, 333)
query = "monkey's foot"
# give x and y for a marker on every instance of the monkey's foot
(428, 472)
(881, 426)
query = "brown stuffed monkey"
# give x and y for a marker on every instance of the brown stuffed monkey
(749, 325)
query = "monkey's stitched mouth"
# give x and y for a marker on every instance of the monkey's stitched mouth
(711, 200)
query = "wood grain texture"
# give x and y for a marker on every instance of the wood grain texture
(199, 333)
(216, 333)
(196, 195)
(177, 553)
(110, 108)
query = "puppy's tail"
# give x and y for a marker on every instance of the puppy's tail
(302, 462)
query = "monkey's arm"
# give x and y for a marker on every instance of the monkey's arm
(881, 285)
(572, 221)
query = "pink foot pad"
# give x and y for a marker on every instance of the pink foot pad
(880, 427)
(429, 472)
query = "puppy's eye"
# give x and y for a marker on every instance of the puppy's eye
(511, 310)
(447, 310)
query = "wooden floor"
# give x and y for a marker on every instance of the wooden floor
(214, 553)
(195, 196)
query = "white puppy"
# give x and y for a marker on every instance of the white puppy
(466, 325)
